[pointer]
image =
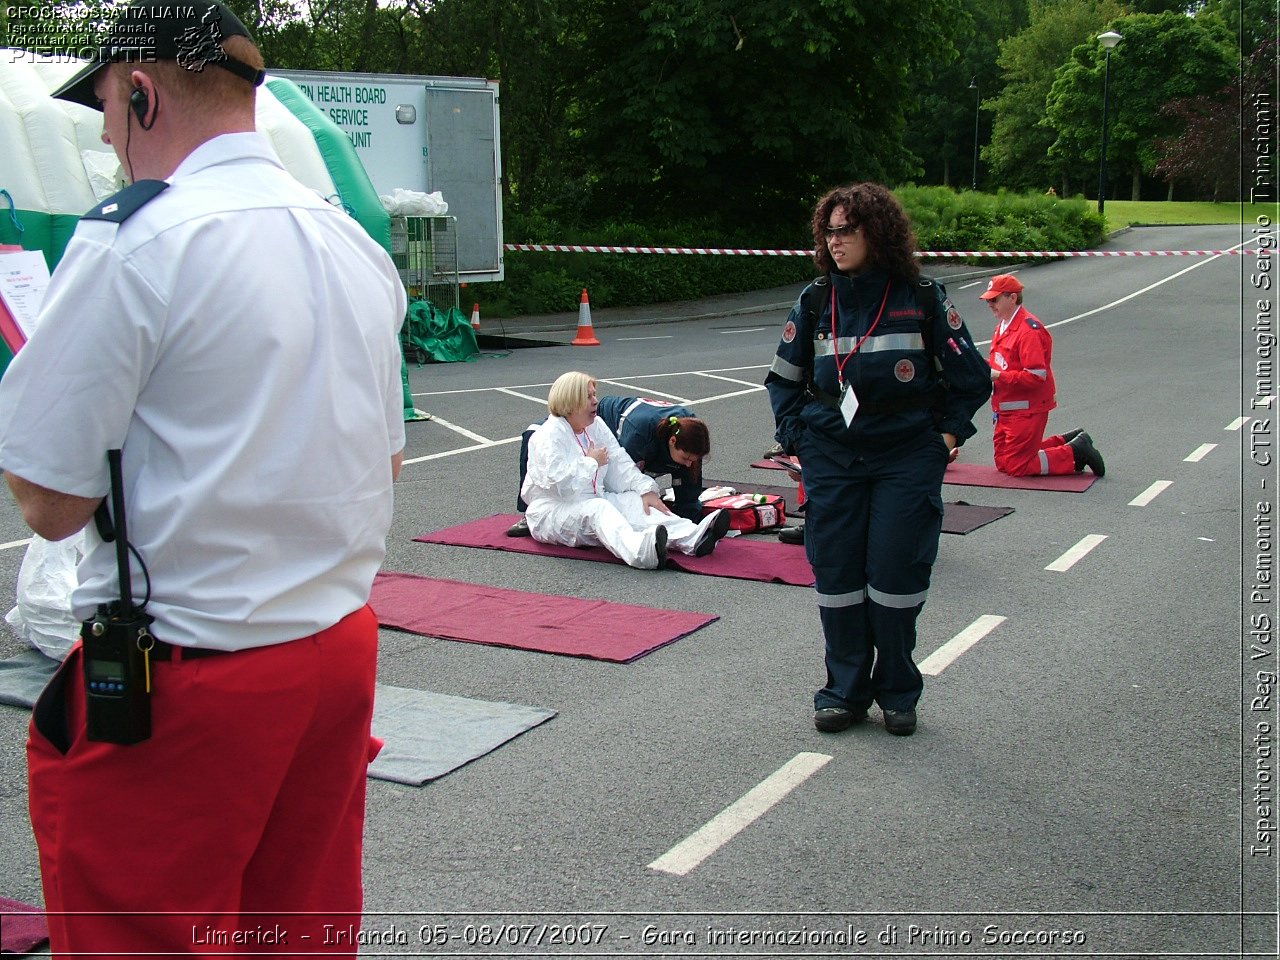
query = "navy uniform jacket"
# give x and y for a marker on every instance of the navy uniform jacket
(900, 391)
(637, 432)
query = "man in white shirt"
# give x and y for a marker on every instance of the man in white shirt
(236, 337)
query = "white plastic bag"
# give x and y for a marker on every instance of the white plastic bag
(413, 203)
(46, 578)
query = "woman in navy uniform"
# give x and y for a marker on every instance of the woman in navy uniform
(662, 437)
(874, 387)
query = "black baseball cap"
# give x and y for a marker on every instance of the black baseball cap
(145, 31)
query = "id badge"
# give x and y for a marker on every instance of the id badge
(848, 404)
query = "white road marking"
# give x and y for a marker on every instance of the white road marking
(666, 336)
(733, 819)
(1069, 559)
(745, 383)
(542, 401)
(1199, 453)
(453, 453)
(1149, 494)
(648, 392)
(15, 543)
(746, 330)
(462, 430)
(946, 654)
(1236, 424)
(726, 396)
(968, 285)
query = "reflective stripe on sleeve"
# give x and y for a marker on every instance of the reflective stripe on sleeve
(842, 599)
(1037, 372)
(896, 601)
(787, 370)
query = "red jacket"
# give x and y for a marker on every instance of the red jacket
(1024, 356)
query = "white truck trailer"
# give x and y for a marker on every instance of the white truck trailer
(425, 134)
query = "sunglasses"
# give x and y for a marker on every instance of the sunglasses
(848, 230)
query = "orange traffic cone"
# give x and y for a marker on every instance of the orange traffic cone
(586, 336)
(475, 317)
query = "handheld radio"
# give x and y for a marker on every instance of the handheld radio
(118, 642)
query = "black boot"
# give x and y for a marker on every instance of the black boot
(1071, 435)
(793, 535)
(1086, 454)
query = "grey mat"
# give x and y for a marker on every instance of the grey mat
(24, 676)
(429, 734)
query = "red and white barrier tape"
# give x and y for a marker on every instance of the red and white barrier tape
(991, 254)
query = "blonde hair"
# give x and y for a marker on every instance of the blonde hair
(569, 393)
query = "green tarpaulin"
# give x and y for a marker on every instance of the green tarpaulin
(435, 335)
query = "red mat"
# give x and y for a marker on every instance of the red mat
(743, 558)
(22, 926)
(985, 475)
(527, 621)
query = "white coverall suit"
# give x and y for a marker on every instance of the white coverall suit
(574, 502)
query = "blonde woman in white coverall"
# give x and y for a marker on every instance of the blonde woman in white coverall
(584, 490)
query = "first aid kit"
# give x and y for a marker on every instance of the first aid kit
(749, 512)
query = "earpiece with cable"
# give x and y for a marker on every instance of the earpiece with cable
(139, 103)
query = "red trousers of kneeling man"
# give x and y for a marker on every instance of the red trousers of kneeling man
(1022, 449)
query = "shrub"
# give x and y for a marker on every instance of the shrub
(944, 219)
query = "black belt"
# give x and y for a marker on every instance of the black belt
(164, 651)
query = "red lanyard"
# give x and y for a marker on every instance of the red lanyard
(584, 453)
(835, 341)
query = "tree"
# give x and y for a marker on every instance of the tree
(1141, 83)
(940, 125)
(1252, 21)
(1019, 147)
(1201, 154)
(745, 106)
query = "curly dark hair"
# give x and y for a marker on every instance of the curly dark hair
(891, 243)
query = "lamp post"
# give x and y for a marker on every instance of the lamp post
(977, 102)
(1108, 40)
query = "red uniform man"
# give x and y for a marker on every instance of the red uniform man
(1023, 392)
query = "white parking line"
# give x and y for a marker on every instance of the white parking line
(733, 819)
(648, 392)
(453, 453)
(1236, 424)
(746, 330)
(745, 383)
(541, 401)
(1069, 559)
(946, 654)
(726, 396)
(1199, 453)
(665, 336)
(462, 430)
(1149, 494)
(15, 543)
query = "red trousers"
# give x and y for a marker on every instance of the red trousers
(1023, 450)
(243, 810)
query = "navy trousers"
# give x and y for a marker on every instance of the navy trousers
(872, 524)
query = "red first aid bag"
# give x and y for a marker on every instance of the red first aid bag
(750, 511)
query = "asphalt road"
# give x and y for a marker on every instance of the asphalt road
(1081, 782)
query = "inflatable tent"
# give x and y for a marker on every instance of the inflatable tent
(55, 166)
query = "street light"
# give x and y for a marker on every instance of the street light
(1108, 40)
(977, 102)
